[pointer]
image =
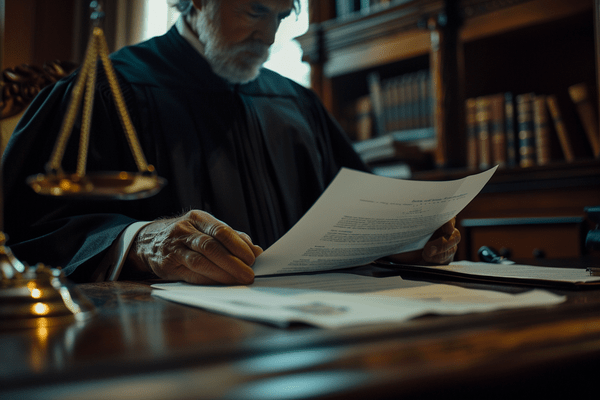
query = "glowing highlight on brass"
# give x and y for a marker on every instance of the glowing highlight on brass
(40, 309)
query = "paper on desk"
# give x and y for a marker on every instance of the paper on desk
(362, 217)
(511, 273)
(332, 300)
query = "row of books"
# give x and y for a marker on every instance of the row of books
(530, 129)
(344, 8)
(402, 103)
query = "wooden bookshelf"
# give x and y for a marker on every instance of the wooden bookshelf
(472, 48)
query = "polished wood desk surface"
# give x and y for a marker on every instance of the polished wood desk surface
(140, 346)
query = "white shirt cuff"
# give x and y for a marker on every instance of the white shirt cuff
(118, 252)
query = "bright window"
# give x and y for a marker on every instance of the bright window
(286, 54)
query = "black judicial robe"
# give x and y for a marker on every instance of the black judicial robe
(256, 156)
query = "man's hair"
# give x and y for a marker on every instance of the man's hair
(186, 6)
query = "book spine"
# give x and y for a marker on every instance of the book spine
(410, 101)
(416, 101)
(422, 89)
(388, 112)
(587, 115)
(395, 105)
(402, 103)
(509, 128)
(364, 122)
(498, 135)
(483, 131)
(365, 6)
(525, 127)
(343, 8)
(542, 130)
(561, 130)
(472, 150)
(377, 103)
(430, 102)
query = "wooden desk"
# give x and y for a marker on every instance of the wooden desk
(138, 346)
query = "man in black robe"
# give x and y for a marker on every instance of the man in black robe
(245, 152)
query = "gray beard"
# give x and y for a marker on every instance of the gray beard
(240, 63)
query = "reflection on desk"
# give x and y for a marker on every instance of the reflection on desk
(139, 346)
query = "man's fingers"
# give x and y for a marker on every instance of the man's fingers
(442, 257)
(218, 278)
(209, 257)
(222, 268)
(448, 227)
(257, 250)
(225, 235)
(442, 249)
(198, 267)
(445, 230)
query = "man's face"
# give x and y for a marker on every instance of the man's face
(237, 35)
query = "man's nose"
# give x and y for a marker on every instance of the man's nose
(267, 31)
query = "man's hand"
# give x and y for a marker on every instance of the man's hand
(196, 248)
(440, 248)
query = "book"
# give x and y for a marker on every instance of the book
(409, 104)
(377, 103)
(364, 121)
(587, 115)
(561, 129)
(424, 99)
(376, 149)
(402, 107)
(497, 132)
(509, 129)
(343, 8)
(525, 128)
(483, 131)
(541, 130)
(365, 6)
(472, 139)
(387, 93)
(396, 147)
(416, 91)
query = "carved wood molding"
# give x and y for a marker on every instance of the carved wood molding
(358, 29)
(19, 85)
(327, 37)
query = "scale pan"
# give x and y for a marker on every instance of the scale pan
(102, 186)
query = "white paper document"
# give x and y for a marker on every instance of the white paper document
(333, 300)
(362, 217)
(514, 272)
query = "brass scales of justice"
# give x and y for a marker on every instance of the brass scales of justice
(41, 295)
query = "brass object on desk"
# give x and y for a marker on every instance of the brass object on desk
(104, 185)
(37, 296)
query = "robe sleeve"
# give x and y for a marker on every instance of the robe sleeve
(58, 231)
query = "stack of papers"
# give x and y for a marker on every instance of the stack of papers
(333, 300)
(519, 274)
